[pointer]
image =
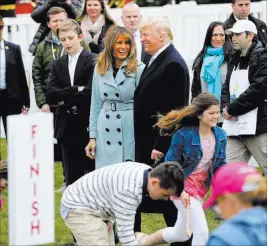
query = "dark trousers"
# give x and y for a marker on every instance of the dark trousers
(73, 144)
(8, 107)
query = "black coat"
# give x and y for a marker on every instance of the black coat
(61, 92)
(16, 82)
(256, 94)
(196, 87)
(260, 25)
(39, 15)
(163, 86)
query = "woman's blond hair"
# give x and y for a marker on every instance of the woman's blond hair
(257, 196)
(106, 57)
(187, 116)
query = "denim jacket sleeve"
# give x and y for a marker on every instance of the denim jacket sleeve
(222, 158)
(176, 148)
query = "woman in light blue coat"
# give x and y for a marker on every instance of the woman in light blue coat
(116, 76)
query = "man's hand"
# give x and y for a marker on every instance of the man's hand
(90, 148)
(225, 114)
(185, 199)
(45, 108)
(140, 236)
(24, 110)
(156, 155)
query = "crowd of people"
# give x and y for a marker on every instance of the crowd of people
(132, 138)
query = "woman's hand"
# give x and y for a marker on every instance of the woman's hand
(185, 199)
(90, 148)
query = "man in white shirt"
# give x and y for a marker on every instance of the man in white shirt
(131, 18)
(69, 87)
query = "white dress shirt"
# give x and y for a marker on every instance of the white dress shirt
(236, 19)
(157, 54)
(72, 65)
(2, 65)
(137, 38)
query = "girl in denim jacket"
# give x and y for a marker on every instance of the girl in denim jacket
(199, 146)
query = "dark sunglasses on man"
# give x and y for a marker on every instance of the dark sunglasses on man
(1, 27)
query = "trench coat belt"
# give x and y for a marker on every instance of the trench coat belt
(118, 106)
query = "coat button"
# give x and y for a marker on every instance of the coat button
(120, 143)
(118, 129)
(107, 129)
(118, 116)
(108, 142)
(105, 94)
(116, 94)
(107, 116)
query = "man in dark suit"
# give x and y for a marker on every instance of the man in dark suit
(70, 88)
(14, 93)
(241, 11)
(131, 18)
(164, 85)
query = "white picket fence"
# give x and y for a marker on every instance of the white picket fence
(187, 20)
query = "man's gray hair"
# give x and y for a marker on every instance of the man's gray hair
(159, 25)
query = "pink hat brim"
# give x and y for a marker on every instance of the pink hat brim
(210, 202)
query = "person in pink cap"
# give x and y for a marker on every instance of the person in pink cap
(239, 192)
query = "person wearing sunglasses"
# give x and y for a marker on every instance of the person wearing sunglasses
(239, 193)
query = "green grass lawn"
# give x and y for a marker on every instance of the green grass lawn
(151, 222)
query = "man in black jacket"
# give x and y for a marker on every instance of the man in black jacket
(244, 95)
(241, 11)
(14, 92)
(164, 85)
(70, 88)
(39, 15)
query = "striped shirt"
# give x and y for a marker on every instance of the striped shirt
(116, 191)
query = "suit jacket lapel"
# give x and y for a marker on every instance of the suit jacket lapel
(7, 53)
(148, 70)
(142, 52)
(65, 71)
(79, 66)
